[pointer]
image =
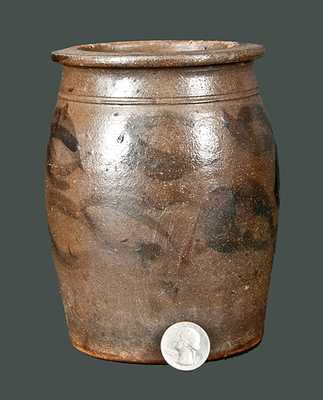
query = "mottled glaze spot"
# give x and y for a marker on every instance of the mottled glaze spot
(156, 163)
(65, 159)
(250, 128)
(62, 128)
(239, 218)
(149, 252)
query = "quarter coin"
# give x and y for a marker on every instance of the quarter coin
(185, 346)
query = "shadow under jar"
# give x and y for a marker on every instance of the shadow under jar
(162, 195)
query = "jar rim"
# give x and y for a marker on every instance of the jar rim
(157, 53)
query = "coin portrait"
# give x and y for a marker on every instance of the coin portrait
(185, 346)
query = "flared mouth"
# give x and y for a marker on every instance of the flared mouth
(158, 53)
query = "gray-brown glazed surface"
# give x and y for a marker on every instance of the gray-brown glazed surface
(162, 197)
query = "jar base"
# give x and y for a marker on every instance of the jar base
(250, 345)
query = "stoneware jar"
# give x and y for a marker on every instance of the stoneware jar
(162, 195)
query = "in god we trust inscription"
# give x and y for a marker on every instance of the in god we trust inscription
(185, 346)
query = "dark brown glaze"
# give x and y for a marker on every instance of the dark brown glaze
(251, 128)
(239, 218)
(162, 195)
(63, 149)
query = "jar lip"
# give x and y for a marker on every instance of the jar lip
(157, 53)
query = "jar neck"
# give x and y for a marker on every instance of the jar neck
(158, 85)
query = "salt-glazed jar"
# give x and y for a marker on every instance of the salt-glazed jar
(162, 195)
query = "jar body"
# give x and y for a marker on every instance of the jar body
(162, 207)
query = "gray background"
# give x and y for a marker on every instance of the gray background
(36, 359)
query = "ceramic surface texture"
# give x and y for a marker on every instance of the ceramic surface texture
(162, 195)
